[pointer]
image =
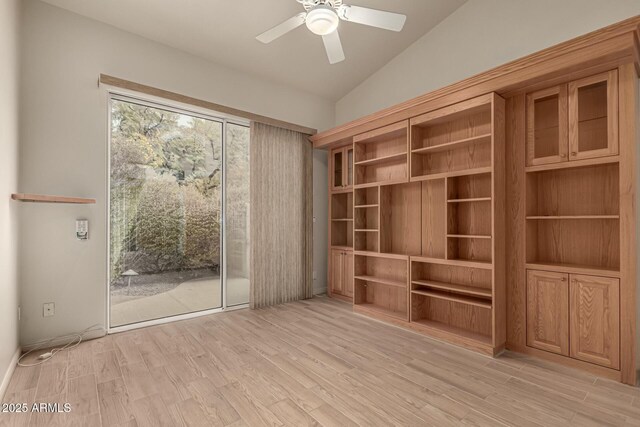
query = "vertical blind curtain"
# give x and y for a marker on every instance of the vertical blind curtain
(281, 216)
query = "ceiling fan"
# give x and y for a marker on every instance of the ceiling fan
(322, 18)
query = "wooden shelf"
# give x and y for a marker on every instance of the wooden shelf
(475, 171)
(468, 236)
(387, 282)
(381, 160)
(375, 309)
(573, 164)
(342, 219)
(342, 247)
(454, 331)
(456, 262)
(452, 287)
(476, 199)
(366, 206)
(378, 183)
(560, 217)
(573, 268)
(42, 198)
(367, 230)
(455, 298)
(461, 143)
(381, 255)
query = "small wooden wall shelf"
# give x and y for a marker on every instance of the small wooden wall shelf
(42, 198)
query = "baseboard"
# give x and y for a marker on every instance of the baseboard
(7, 375)
(90, 335)
(320, 291)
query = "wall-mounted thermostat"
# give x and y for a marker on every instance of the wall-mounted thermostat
(82, 229)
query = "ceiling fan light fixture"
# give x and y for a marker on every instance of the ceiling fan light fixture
(322, 20)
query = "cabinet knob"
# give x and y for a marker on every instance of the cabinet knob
(573, 154)
(563, 156)
(564, 279)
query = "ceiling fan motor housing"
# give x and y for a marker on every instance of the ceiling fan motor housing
(322, 20)
(310, 4)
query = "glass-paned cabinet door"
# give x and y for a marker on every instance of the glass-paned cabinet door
(547, 136)
(593, 116)
(337, 160)
(349, 169)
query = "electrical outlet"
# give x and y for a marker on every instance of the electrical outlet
(19, 313)
(48, 309)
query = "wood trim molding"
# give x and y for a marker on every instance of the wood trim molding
(172, 96)
(600, 50)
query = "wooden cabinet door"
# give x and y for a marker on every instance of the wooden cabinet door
(348, 273)
(593, 116)
(337, 169)
(337, 272)
(348, 170)
(548, 311)
(547, 134)
(595, 321)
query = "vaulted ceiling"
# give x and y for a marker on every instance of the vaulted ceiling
(224, 31)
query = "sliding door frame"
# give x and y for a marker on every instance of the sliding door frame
(123, 95)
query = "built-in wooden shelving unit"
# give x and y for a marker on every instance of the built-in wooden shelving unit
(436, 188)
(341, 223)
(42, 198)
(424, 229)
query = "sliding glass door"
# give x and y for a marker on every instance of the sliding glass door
(168, 198)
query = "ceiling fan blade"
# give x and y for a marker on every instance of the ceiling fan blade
(282, 29)
(333, 45)
(372, 17)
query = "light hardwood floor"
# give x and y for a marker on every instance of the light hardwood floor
(307, 363)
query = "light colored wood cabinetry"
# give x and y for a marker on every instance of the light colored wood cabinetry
(341, 168)
(547, 126)
(570, 181)
(438, 210)
(593, 116)
(548, 311)
(341, 273)
(348, 274)
(574, 315)
(337, 272)
(573, 121)
(595, 329)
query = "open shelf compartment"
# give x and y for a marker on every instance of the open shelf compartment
(400, 218)
(380, 285)
(573, 217)
(583, 191)
(592, 243)
(451, 139)
(461, 320)
(342, 219)
(455, 279)
(469, 248)
(381, 155)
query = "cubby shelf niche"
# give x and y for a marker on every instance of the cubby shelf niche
(579, 207)
(381, 155)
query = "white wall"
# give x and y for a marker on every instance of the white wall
(64, 143)
(480, 35)
(320, 225)
(9, 84)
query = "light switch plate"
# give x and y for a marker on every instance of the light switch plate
(82, 229)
